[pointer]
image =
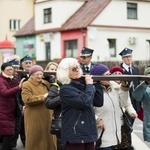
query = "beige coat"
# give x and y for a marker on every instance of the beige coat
(37, 116)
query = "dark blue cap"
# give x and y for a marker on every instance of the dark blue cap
(26, 58)
(86, 52)
(126, 52)
(14, 62)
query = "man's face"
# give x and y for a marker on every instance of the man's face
(86, 60)
(127, 60)
(27, 65)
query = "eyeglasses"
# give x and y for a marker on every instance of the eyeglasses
(28, 62)
(116, 73)
(75, 69)
(10, 69)
(84, 57)
(38, 74)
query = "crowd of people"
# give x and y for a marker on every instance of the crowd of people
(32, 99)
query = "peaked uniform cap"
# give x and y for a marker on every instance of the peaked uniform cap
(86, 51)
(14, 62)
(26, 58)
(126, 52)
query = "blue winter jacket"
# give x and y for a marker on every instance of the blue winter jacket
(142, 93)
(78, 118)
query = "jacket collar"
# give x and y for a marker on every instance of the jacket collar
(35, 82)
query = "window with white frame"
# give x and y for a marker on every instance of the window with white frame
(131, 10)
(14, 24)
(47, 15)
(71, 48)
(48, 50)
(112, 47)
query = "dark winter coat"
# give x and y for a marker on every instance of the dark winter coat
(53, 100)
(78, 118)
(8, 90)
(135, 71)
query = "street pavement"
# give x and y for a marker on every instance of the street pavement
(137, 138)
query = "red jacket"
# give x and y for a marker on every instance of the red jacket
(8, 90)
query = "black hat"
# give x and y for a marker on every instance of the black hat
(4, 65)
(14, 62)
(126, 52)
(86, 52)
(26, 58)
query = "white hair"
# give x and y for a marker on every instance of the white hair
(63, 69)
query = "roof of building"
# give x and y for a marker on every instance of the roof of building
(27, 29)
(87, 13)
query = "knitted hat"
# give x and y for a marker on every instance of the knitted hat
(99, 69)
(116, 68)
(35, 68)
(147, 71)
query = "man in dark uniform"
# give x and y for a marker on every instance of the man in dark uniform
(26, 64)
(130, 69)
(86, 56)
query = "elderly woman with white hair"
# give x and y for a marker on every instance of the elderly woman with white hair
(77, 100)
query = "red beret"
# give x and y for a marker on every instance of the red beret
(116, 68)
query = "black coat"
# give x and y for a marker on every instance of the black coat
(135, 71)
(53, 100)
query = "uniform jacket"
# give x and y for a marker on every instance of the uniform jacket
(84, 69)
(8, 90)
(135, 71)
(78, 118)
(142, 94)
(110, 114)
(37, 116)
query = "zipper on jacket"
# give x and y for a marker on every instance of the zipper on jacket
(74, 127)
(114, 114)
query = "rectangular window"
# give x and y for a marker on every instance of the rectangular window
(14, 25)
(112, 47)
(47, 51)
(131, 10)
(47, 15)
(71, 48)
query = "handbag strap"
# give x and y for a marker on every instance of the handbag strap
(122, 110)
(101, 134)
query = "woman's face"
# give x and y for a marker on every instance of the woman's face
(117, 73)
(52, 68)
(74, 72)
(106, 82)
(37, 76)
(8, 71)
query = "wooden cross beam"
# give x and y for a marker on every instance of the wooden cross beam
(104, 77)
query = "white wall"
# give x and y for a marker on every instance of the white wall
(116, 14)
(61, 11)
(55, 47)
(100, 45)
